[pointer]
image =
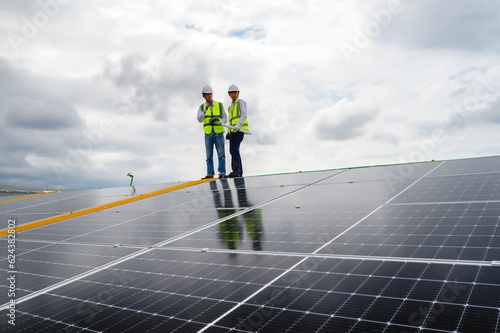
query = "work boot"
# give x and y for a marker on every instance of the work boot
(208, 177)
(233, 175)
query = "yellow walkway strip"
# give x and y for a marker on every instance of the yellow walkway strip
(87, 211)
(29, 196)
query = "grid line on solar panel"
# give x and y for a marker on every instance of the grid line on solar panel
(445, 254)
(391, 279)
(7, 196)
(44, 265)
(391, 174)
(45, 231)
(215, 321)
(467, 302)
(201, 237)
(280, 226)
(284, 259)
(301, 178)
(71, 201)
(45, 324)
(40, 233)
(71, 215)
(400, 191)
(347, 310)
(98, 317)
(466, 166)
(99, 234)
(437, 231)
(46, 206)
(134, 298)
(414, 310)
(454, 188)
(74, 278)
(335, 255)
(79, 288)
(320, 222)
(420, 303)
(349, 267)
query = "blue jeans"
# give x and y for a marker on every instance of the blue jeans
(216, 140)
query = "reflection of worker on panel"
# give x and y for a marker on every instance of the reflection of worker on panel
(253, 218)
(230, 229)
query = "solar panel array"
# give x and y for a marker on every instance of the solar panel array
(401, 248)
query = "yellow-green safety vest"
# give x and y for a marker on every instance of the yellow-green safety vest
(210, 115)
(235, 115)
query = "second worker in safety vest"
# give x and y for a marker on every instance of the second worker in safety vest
(213, 115)
(238, 119)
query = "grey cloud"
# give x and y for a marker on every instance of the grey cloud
(385, 135)
(20, 7)
(138, 84)
(184, 69)
(444, 24)
(26, 103)
(18, 144)
(36, 113)
(350, 127)
(126, 71)
(491, 114)
(342, 121)
(19, 17)
(36, 126)
(150, 86)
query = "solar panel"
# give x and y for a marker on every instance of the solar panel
(401, 248)
(59, 203)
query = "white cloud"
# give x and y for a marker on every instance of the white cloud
(343, 121)
(105, 88)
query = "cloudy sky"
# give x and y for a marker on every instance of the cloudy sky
(92, 89)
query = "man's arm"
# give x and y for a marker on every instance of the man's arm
(243, 109)
(201, 115)
(224, 114)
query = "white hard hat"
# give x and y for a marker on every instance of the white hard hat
(207, 90)
(233, 87)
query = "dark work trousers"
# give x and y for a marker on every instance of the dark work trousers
(234, 148)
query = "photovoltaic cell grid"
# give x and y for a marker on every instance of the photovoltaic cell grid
(55, 204)
(409, 248)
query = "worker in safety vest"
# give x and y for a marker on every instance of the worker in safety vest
(213, 115)
(238, 119)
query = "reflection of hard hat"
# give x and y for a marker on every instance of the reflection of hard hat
(207, 90)
(233, 87)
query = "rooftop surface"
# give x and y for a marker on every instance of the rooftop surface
(398, 248)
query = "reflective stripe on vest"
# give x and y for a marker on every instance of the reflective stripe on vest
(234, 116)
(211, 114)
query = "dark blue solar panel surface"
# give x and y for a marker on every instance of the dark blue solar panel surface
(59, 203)
(401, 248)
